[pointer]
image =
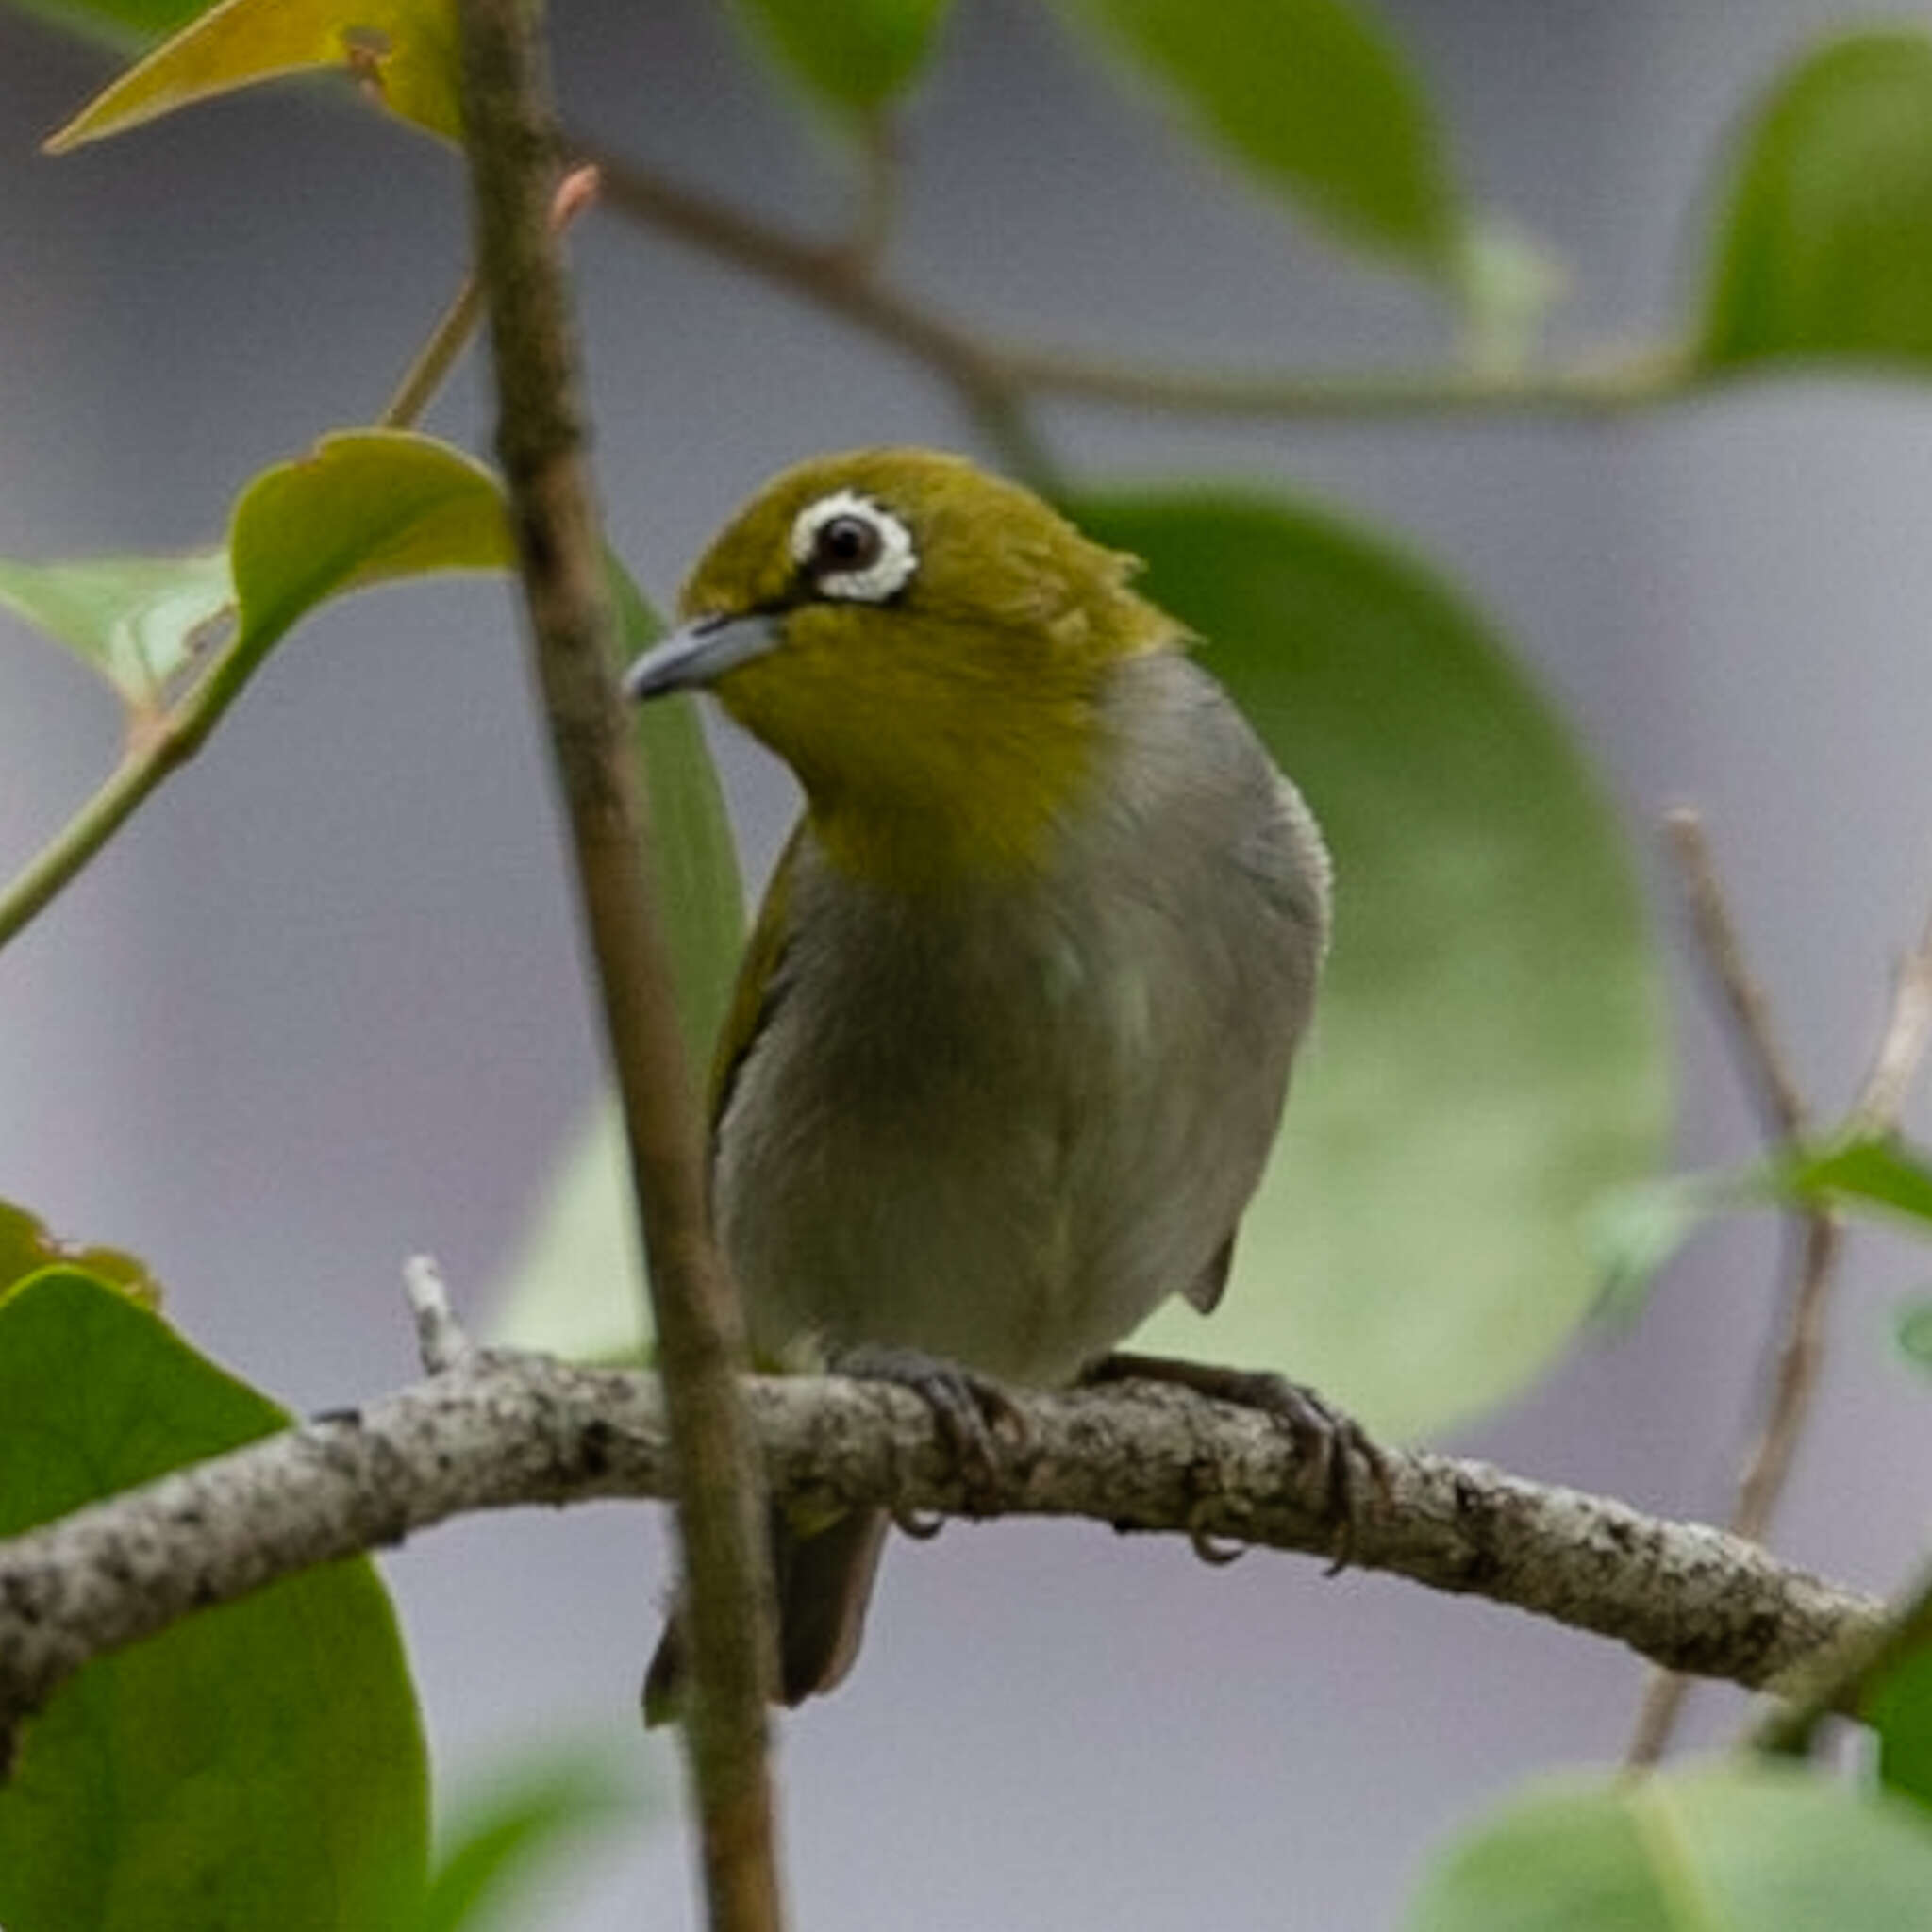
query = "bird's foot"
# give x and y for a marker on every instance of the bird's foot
(971, 1410)
(1322, 1435)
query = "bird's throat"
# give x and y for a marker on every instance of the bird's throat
(926, 818)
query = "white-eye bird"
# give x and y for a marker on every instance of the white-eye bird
(1013, 1031)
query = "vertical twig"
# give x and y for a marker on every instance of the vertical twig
(1800, 1332)
(700, 1329)
(1800, 1351)
(1888, 1084)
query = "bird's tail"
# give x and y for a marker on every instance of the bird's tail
(825, 1576)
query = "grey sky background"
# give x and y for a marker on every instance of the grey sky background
(320, 1006)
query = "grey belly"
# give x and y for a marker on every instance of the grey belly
(1004, 1154)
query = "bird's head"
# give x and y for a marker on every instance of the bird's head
(924, 644)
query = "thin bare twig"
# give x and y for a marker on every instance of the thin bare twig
(1759, 1058)
(1800, 1329)
(440, 1340)
(1882, 1094)
(700, 1327)
(458, 322)
(1902, 1047)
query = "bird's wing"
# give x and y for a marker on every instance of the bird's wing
(760, 980)
(1206, 1289)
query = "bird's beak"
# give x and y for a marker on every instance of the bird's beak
(700, 653)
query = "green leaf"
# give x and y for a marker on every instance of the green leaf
(1826, 235)
(1868, 1171)
(1914, 1329)
(259, 1765)
(575, 1285)
(1488, 1054)
(367, 506)
(535, 1813)
(852, 56)
(136, 621)
(699, 890)
(1744, 1849)
(1899, 1708)
(1316, 99)
(401, 52)
(26, 1247)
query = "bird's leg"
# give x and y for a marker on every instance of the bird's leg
(970, 1409)
(1322, 1433)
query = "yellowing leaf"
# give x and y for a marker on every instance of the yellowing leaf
(404, 52)
(27, 1249)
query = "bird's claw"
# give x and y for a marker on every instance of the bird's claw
(1328, 1438)
(970, 1412)
(1325, 1436)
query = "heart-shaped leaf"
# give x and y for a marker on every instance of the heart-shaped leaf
(260, 1764)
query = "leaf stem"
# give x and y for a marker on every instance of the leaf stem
(721, 1519)
(437, 356)
(158, 745)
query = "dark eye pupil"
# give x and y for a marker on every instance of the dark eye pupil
(847, 543)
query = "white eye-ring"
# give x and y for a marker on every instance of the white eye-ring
(854, 548)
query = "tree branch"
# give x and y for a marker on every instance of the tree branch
(726, 1582)
(497, 1430)
(995, 377)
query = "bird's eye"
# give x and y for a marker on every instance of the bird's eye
(845, 544)
(853, 549)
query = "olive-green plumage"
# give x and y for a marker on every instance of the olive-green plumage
(1013, 1032)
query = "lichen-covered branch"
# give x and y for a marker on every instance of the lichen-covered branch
(493, 1431)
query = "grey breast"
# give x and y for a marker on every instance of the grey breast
(1001, 1127)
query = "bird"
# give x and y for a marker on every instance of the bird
(1012, 1035)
